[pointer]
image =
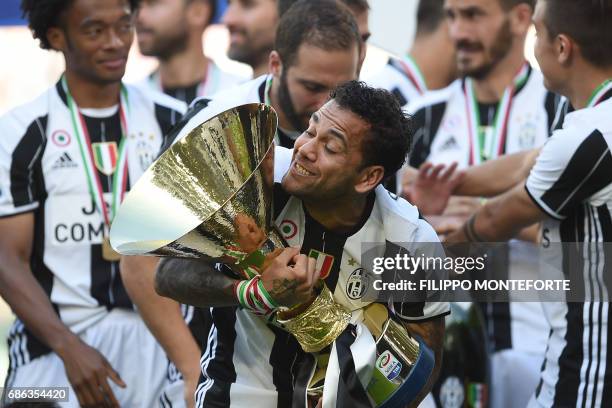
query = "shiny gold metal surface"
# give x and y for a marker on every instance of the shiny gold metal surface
(320, 324)
(205, 194)
(210, 196)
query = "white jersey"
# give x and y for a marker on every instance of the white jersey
(572, 183)
(42, 171)
(250, 363)
(217, 80)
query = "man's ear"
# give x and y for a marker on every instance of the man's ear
(521, 18)
(275, 64)
(565, 47)
(199, 13)
(369, 178)
(57, 38)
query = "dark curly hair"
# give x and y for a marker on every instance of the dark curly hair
(388, 141)
(44, 14)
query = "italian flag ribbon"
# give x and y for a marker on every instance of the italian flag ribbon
(253, 296)
(599, 92)
(413, 73)
(484, 148)
(100, 152)
(324, 262)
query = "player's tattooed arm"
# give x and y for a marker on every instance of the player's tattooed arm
(289, 279)
(432, 333)
(194, 282)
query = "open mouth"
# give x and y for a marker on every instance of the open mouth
(302, 171)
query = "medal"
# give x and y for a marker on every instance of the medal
(106, 158)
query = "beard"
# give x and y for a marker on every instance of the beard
(248, 54)
(499, 49)
(286, 104)
(166, 46)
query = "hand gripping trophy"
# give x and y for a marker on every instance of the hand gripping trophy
(209, 196)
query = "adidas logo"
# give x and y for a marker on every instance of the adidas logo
(64, 162)
(450, 144)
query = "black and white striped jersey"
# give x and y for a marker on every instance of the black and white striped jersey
(248, 362)
(42, 171)
(442, 123)
(572, 183)
(402, 78)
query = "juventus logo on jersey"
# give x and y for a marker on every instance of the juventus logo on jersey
(356, 284)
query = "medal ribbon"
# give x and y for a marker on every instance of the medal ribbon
(599, 92)
(414, 74)
(478, 141)
(119, 182)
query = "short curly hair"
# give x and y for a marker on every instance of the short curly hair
(44, 14)
(388, 141)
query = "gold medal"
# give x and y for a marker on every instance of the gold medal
(108, 253)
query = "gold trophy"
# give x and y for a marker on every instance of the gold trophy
(210, 196)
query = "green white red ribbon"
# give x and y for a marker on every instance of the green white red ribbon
(253, 296)
(599, 92)
(484, 148)
(119, 182)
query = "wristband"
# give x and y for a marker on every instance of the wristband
(253, 296)
(470, 231)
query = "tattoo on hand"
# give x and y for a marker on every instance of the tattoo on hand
(280, 286)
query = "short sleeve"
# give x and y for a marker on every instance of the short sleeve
(568, 171)
(430, 304)
(21, 151)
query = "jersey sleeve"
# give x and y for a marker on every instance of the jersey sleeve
(21, 151)
(426, 122)
(568, 171)
(424, 305)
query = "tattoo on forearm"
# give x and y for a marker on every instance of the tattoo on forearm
(193, 282)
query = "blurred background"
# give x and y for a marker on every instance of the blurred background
(26, 70)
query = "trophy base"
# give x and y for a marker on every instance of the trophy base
(320, 324)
